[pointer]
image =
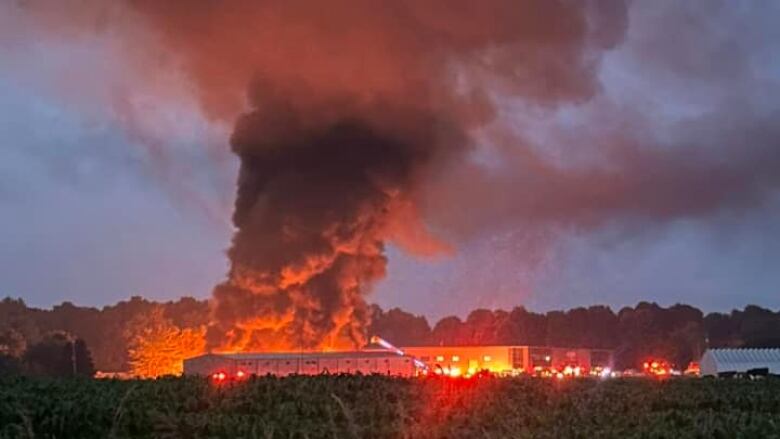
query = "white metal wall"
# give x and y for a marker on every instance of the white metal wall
(306, 365)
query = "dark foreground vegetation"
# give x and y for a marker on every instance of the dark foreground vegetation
(381, 407)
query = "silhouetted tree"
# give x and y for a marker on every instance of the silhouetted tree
(399, 327)
(59, 354)
(479, 328)
(9, 365)
(187, 312)
(448, 332)
(600, 329)
(531, 328)
(722, 331)
(759, 327)
(17, 317)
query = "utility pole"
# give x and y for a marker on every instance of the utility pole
(72, 341)
(73, 356)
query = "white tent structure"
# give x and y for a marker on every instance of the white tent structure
(715, 361)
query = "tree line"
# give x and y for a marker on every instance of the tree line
(679, 333)
(148, 337)
(56, 354)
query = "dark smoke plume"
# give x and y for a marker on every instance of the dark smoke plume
(353, 104)
(707, 145)
(356, 105)
(319, 192)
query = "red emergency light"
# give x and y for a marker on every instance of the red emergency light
(219, 376)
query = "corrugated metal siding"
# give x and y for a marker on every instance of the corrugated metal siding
(309, 363)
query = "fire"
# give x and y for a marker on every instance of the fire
(158, 347)
(657, 368)
(693, 369)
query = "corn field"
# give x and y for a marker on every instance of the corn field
(383, 407)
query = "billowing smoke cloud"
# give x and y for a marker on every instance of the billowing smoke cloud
(320, 191)
(685, 129)
(352, 105)
(357, 123)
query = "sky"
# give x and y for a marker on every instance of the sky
(110, 189)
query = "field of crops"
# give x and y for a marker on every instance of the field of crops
(381, 407)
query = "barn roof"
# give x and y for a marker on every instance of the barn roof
(745, 355)
(740, 360)
(294, 355)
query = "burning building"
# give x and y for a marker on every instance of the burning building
(512, 360)
(237, 366)
(383, 358)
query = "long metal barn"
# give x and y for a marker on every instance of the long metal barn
(304, 363)
(512, 359)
